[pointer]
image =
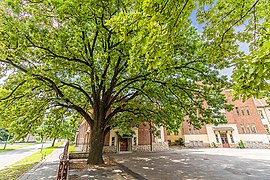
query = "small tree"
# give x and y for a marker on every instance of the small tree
(3, 134)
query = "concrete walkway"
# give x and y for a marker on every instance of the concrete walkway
(46, 169)
(9, 157)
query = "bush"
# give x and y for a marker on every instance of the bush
(180, 142)
(214, 145)
(38, 138)
(11, 141)
(241, 144)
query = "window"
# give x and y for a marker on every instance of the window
(243, 128)
(261, 114)
(135, 141)
(248, 112)
(242, 110)
(217, 138)
(248, 129)
(231, 136)
(254, 130)
(266, 128)
(237, 111)
(189, 130)
(113, 141)
(159, 134)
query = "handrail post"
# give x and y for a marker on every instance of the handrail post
(64, 164)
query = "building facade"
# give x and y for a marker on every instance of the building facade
(247, 122)
(140, 140)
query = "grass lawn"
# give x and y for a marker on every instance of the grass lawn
(15, 170)
(13, 147)
(71, 147)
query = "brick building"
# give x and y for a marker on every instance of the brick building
(248, 121)
(263, 109)
(140, 140)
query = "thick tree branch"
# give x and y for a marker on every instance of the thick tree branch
(13, 91)
(56, 55)
(78, 87)
(180, 12)
(242, 16)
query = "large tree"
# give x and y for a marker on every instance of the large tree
(110, 61)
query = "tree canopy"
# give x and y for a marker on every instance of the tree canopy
(111, 62)
(230, 24)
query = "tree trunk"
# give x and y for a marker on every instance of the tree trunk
(96, 146)
(53, 142)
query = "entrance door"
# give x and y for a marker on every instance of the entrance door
(224, 140)
(123, 144)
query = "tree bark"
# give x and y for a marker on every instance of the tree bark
(96, 146)
(53, 142)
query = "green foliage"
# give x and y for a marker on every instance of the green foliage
(112, 62)
(3, 134)
(38, 138)
(71, 148)
(214, 145)
(12, 141)
(180, 142)
(232, 25)
(241, 144)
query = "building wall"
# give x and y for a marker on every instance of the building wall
(254, 137)
(144, 134)
(246, 116)
(213, 135)
(265, 118)
(172, 137)
(196, 140)
(140, 141)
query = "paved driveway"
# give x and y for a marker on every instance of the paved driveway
(198, 164)
(10, 157)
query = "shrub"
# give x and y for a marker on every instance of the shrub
(214, 145)
(241, 144)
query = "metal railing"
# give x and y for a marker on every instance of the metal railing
(64, 164)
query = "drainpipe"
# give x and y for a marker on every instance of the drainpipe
(150, 132)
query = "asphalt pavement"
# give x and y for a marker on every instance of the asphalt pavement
(9, 157)
(214, 164)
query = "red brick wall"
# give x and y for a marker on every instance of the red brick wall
(143, 134)
(82, 132)
(245, 119)
(194, 131)
(233, 118)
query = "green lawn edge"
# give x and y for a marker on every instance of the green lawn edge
(13, 147)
